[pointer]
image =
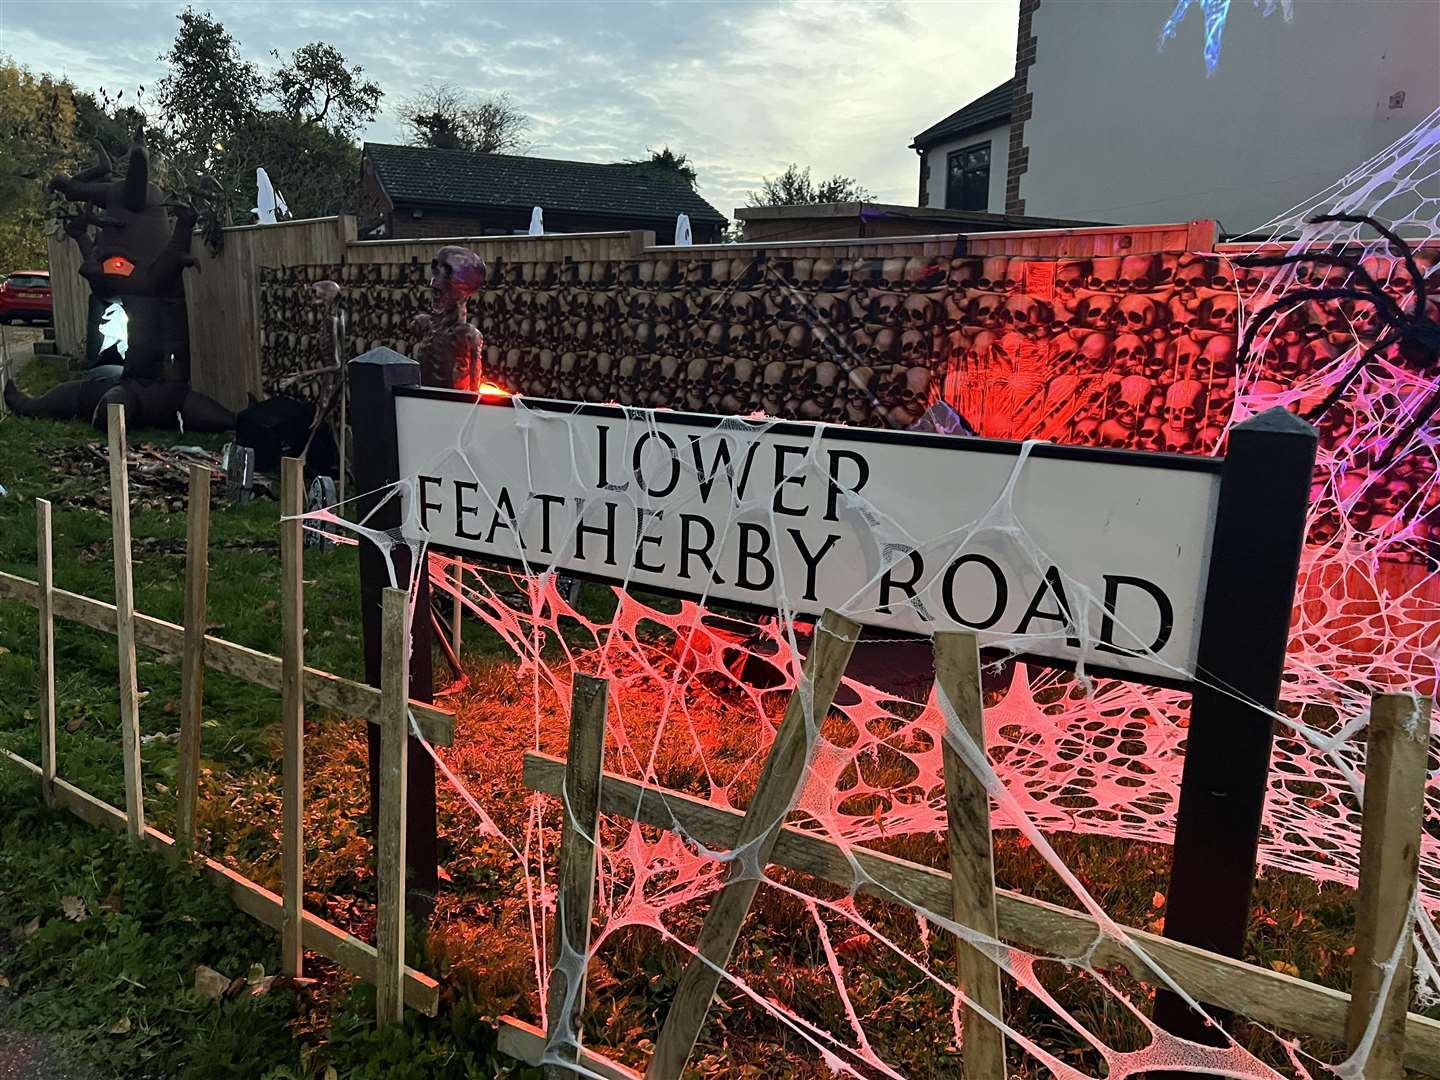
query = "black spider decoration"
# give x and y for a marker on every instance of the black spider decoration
(1413, 333)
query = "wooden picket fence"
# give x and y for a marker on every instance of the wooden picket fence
(383, 963)
(1398, 740)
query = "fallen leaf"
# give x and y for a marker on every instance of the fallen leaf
(3, 650)
(1285, 968)
(209, 983)
(121, 1026)
(74, 908)
(1157, 901)
(31, 928)
(74, 724)
(4, 983)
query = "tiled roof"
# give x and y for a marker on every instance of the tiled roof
(419, 175)
(985, 111)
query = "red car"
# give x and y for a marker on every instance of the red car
(25, 295)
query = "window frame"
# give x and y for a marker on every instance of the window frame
(950, 157)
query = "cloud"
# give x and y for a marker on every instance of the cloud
(744, 89)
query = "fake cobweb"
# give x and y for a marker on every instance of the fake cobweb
(697, 690)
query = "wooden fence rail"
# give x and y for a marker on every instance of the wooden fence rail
(388, 706)
(1376, 1014)
(1398, 739)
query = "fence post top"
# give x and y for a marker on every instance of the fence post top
(383, 354)
(1278, 421)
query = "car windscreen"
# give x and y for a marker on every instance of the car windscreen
(27, 281)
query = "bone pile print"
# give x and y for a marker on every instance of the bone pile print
(1128, 351)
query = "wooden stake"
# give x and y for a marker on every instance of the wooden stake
(292, 712)
(192, 661)
(1395, 767)
(390, 841)
(576, 883)
(779, 783)
(44, 554)
(457, 613)
(125, 621)
(972, 863)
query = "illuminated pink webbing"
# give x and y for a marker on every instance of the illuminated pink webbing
(1097, 757)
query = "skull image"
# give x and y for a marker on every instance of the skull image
(833, 310)
(889, 308)
(964, 273)
(1105, 274)
(914, 348)
(1131, 400)
(1192, 272)
(1137, 273)
(745, 307)
(822, 273)
(1217, 359)
(696, 384)
(627, 385)
(993, 273)
(1217, 311)
(913, 391)
(775, 381)
(797, 341)
(983, 308)
(1182, 408)
(1071, 275)
(892, 272)
(666, 390)
(1139, 314)
(1097, 311)
(1024, 315)
(1132, 353)
(857, 395)
(569, 375)
(882, 348)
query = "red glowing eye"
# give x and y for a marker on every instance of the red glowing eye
(118, 265)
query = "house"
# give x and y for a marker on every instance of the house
(842, 221)
(1098, 123)
(414, 191)
(963, 157)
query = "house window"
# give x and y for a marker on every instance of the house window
(967, 180)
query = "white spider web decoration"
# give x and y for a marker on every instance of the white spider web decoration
(1064, 754)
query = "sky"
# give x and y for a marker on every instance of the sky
(744, 88)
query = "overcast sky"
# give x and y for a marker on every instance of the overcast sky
(743, 88)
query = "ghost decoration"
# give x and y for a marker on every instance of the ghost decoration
(114, 329)
(537, 222)
(683, 236)
(269, 204)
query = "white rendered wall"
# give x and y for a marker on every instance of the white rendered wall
(1124, 133)
(935, 160)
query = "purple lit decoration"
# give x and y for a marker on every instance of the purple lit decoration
(1215, 13)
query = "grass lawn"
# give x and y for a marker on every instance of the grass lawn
(101, 941)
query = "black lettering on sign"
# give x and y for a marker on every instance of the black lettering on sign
(862, 477)
(1107, 622)
(784, 476)
(1001, 588)
(425, 504)
(749, 554)
(812, 561)
(641, 539)
(464, 509)
(504, 517)
(547, 501)
(888, 580)
(602, 432)
(1051, 584)
(607, 530)
(640, 443)
(687, 549)
(705, 479)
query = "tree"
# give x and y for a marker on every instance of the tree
(37, 140)
(447, 118)
(670, 161)
(314, 167)
(315, 88)
(794, 187)
(207, 94)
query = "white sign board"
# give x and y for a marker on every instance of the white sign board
(1079, 556)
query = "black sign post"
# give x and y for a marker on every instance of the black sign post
(373, 380)
(1245, 628)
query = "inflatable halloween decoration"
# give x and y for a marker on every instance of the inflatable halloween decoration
(450, 349)
(136, 257)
